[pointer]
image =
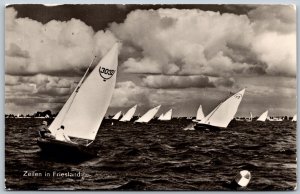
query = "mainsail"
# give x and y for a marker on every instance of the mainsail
(200, 114)
(294, 117)
(167, 116)
(263, 116)
(81, 115)
(224, 112)
(117, 116)
(129, 114)
(148, 115)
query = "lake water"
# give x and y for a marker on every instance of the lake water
(159, 156)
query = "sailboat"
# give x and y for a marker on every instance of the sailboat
(117, 116)
(275, 119)
(221, 116)
(200, 114)
(263, 116)
(129, 114)
(249, 119)
(166, 117)
(148, 115)
(161, 116)
(81, 115)
(294, 117)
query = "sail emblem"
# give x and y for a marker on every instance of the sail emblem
(106, 73)
(238, 96)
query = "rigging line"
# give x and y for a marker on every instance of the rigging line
(77, 88)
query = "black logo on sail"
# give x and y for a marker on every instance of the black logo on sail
(106, 73)
(238, 96)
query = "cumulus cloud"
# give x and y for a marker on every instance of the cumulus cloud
(39, 85)
(127, 94)
(163, 82)
(37, 91)
(55, 47)
(277, 18)
(278, 51)
(197, 56)
(188, 42)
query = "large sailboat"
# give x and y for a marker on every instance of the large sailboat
(129, 114)
(263, 116)
(221, 116)
(148, 115)
(82, 114)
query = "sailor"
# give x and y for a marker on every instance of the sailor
(61, 136)
(44, 132)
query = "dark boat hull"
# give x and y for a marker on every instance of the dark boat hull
(65, 150)
(206, 127)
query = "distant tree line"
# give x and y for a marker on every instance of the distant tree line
(44, 114)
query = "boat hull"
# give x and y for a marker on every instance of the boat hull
(64, 150)
(206, 127)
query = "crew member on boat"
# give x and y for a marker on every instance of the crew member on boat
(61, 136)
(44, 132)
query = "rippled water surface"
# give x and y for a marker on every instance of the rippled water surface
(159, 156)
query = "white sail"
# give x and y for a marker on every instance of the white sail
(200, 114)
(294, 117)
(81, 115)
(148, 115)
(117, 116)
(263, 116)
(129, 114)
(167, 116)
(161, 116)
(224, 112)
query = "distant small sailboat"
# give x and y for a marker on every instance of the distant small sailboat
(148, 115)
(117, 116)
(81, 115)
(129, 114)
(238, 119)
(166, 117)
(221, 116)
(249, 119)
(200, 114)
(275, 119)
(294, 117)
(263, 116)
(161, 116)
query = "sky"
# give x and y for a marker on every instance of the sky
(179, 56)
